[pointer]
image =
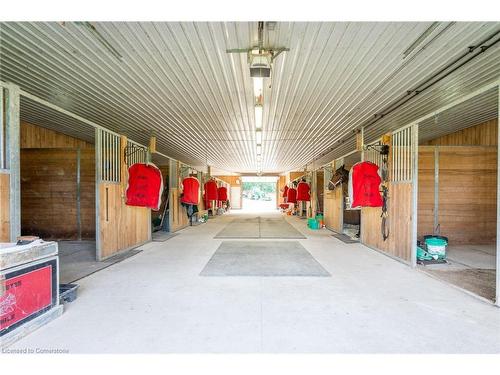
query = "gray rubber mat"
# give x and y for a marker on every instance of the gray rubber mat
(77, 259)
(344, 238)
(263, 258)
(161, 236)
(260, 227)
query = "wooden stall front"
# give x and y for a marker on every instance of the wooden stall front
(399, 215)
(121, 227)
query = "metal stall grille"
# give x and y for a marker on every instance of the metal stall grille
(373, 155)
(108, 155)
(3, 153)
(403, 146)
(328, 174)
(135, 153)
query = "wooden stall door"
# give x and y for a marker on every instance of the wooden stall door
(334, 206)
(4, 207)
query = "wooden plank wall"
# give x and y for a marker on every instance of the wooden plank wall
(33, 136)
(484, 134)
(120, 226)
(467, 193)
(49, 193)
(425, 190)
(4, 207)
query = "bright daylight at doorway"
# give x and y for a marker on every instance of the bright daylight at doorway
(259, 193)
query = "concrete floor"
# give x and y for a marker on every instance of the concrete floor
(157, 302)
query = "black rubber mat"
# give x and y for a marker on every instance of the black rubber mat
(162, 236)
(344, 238)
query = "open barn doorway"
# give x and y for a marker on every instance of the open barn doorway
(259, 193)
(457, 195)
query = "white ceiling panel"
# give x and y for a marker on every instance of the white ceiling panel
(175, 80)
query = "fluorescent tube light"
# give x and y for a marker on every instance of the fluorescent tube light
(258, 83)
(258, 117)
(258, 137)
(259, 150)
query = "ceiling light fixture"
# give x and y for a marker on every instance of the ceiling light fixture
(259, 150)
(258, 117)
(258, 84)
(258, 137)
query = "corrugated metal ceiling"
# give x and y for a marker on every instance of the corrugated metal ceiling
(479, 109)
(175, 81)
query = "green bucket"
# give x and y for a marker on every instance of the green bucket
(436, 246)
(313, 223)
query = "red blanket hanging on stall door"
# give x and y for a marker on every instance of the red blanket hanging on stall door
(285, 191)
(145, 185)
(303, 190)
(211, 190)
(291, 196)
(222, 194)
(365, 182)
(190, 190)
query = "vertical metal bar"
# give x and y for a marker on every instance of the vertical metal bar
(407, 154)
(13, 159)
(403, 154)
(410, 156)
(395, 153)
(362, 144)
(497, 293)
(110, 156)
(394, 157)
(436, 189)
(78, 193)
(117, 158)
(2, 129)
(400, 159)
(106, 156)
(414, 198)
(98, 178)
(113, 156)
